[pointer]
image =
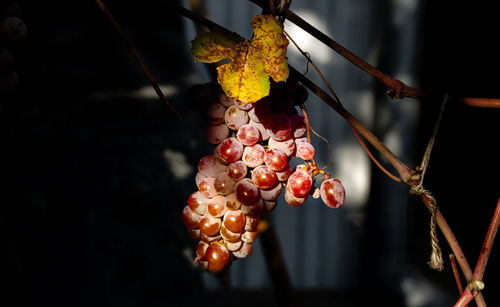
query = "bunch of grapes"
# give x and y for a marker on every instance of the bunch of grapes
(248, 169)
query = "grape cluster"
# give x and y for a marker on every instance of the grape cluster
(248, 169)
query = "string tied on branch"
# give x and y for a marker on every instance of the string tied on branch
(436, 259)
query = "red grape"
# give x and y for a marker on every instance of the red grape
(228, 235)
(279, 127)
(305, 151)
(217, 256)
(230, 150)
(210, 225)
(216, 133)
(253, 210)
(215, 113)
(190, 219)
(217, 206)
(232, 203)
(271, 193)
(264, 135)
(263, 177)
(246, 192)
(198, 203)
(237, 170)
(260, 111)
(235, 118)
(244, 251)
(298, 126)
(207, 188)
(332, 193)
(253, 156)
(248, 135)
(275, 159)
(293, 200)
(234, 221)
(299, 183)
(288, 146)
(223, 184)
(209, 166)
(284, 174)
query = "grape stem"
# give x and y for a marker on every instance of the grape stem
(456, 274)
(139, 60)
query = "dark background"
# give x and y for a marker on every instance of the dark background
(89, 208)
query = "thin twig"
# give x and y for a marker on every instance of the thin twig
(456, 274)
(487, 245)
(139, 60)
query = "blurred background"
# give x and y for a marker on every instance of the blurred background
(95, 171)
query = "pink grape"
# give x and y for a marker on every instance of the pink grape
(246, 192)
(210, 225)
(207, 188)
(299, 183)
(198, 178)
(249, 236)
(235, 118)
(209, 166)
(275, 159)
(248, 135)
(301, 139)
(279, 127)
(264, 135)
(198, 203)
(215, 113)
(288, 146)
(223, 184)
(217, 257)
(263, 177)
(217, 206)
(253, 156)
(298, 126)
(243, 106)
(230, 150)
(215, 134)
(255, 209)
(201, 249)
(234, 221)
(284, 174)
(237, 170)
(305, 151)
(332, 193)
(271, 193)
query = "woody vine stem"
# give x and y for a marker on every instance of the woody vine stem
(397, 89)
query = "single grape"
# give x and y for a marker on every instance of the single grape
(235, 118)
(215, 113)
(251, 223)
(305, 151)
(276, 159)
(210, 225)
(226, 100)
(233, 246)
(207, 188)
(191, 219)
(244, 251)
(246, 192)
(209, 166)
(234, 221)
(215, 134)
(217, 257)
(332, 193)
(279, 127)
(217, 206)
(253, 156)
(223, 184)
(248, 135)
(263, 177)
(299, 183)
(209, 239)
(237, 170)
(298, 126)
(201, 249)
(232, 203)
(198, 203)
(293, 200)
(271, 193)
(288, 146)
(261, 111)
(230, 150)
(198, 178)
(249, 236)
(14, 29)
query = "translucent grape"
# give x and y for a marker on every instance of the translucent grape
(217, 256)
(332, 193)
(230, 150)
(235, 118)
(249, 236)
(223, 184)
(210, 225)
(246, 192)
(253, 156)
(234, 220)
(229, 236)
(299, 183)
(215, 134)
(237, 170)
(279, 127)
(248, 135)
(293, 200)
(190, 219)
(215, 113)
(264, 135)
(198, 203)
(263, 177)
(209, 166)
(305, 151)
(217, 206)
(275, 159)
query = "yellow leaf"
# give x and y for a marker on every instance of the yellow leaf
(251, 63)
